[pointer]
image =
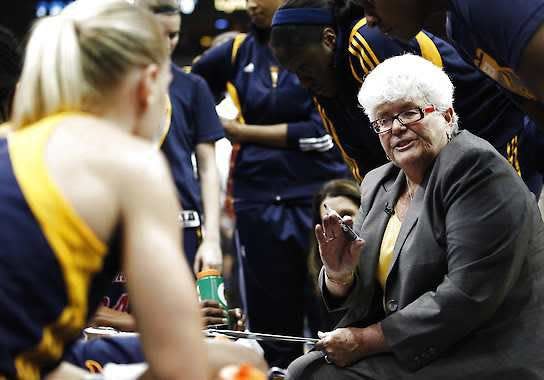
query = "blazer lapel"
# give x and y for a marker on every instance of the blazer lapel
(409, 222)
(373, 228)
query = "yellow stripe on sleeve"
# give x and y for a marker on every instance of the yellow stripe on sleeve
(77, 249)
(352, 164)
(237, 41)
(359, 40)
(429, 51)
(359, 48)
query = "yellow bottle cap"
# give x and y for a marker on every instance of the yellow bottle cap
(207, 272)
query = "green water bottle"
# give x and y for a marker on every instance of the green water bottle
(210, 286)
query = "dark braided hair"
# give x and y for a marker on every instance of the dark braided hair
(10, 70)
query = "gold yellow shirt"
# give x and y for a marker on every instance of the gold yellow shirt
(386, 250)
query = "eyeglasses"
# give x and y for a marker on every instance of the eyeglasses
(405, 118)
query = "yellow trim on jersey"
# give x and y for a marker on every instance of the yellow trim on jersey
(356, 27)
(329, 126)
(359, 48)
(78, 250)
(231, 89)
(361, 55)
(237, 41)
(93, 366)
(429, 51)
(167, 121)
(512, 154)
(359, 42)
(354, 73)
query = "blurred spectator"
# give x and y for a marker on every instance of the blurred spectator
(10, 69)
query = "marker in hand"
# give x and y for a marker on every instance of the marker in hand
(348, 231)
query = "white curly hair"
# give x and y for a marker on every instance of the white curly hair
(409, 78)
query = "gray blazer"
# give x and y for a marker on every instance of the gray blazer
(467, 278)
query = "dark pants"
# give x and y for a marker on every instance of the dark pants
(273, 251)
(313, 366)
(94, 354)
(191, 240)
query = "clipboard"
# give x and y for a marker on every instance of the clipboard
(103, 332)
(259, 336)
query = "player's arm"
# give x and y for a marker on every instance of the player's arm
(215, 66)
(161, 287)
(274, 135)
(209, 253)
(532, 62)
(305, 135)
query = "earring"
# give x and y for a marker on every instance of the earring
(388, 158)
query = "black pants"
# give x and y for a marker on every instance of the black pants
(273, 251)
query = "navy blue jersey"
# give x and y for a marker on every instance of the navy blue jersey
(53, 268)
(193, 121)
(94, 354)
(265, 95)
(482, 109)
(117, 295)
(492, 34)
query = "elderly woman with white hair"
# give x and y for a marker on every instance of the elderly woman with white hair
(445, 280)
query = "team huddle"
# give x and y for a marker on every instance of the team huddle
(383, 190)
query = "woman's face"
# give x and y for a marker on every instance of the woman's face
(171, 25)
(399, 18)
(342, 205)
(313, 65)
(151, 120)
(261, 11)
(414, 146)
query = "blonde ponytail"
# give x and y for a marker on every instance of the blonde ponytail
(74, 59)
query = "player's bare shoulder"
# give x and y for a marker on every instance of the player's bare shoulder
(98, 165)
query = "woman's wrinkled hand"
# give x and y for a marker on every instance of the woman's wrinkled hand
(340, 346)
(345, 346)
(339, 255)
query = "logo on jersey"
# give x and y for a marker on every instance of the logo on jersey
(505, 76)
(274, 72)
(221, 294)
(249, 68)
(120, 278)
(93, 366)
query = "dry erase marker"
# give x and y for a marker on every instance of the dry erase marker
(348, 231)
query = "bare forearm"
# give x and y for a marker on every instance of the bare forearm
(166, 297)
(209, 180)
(269, 135)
